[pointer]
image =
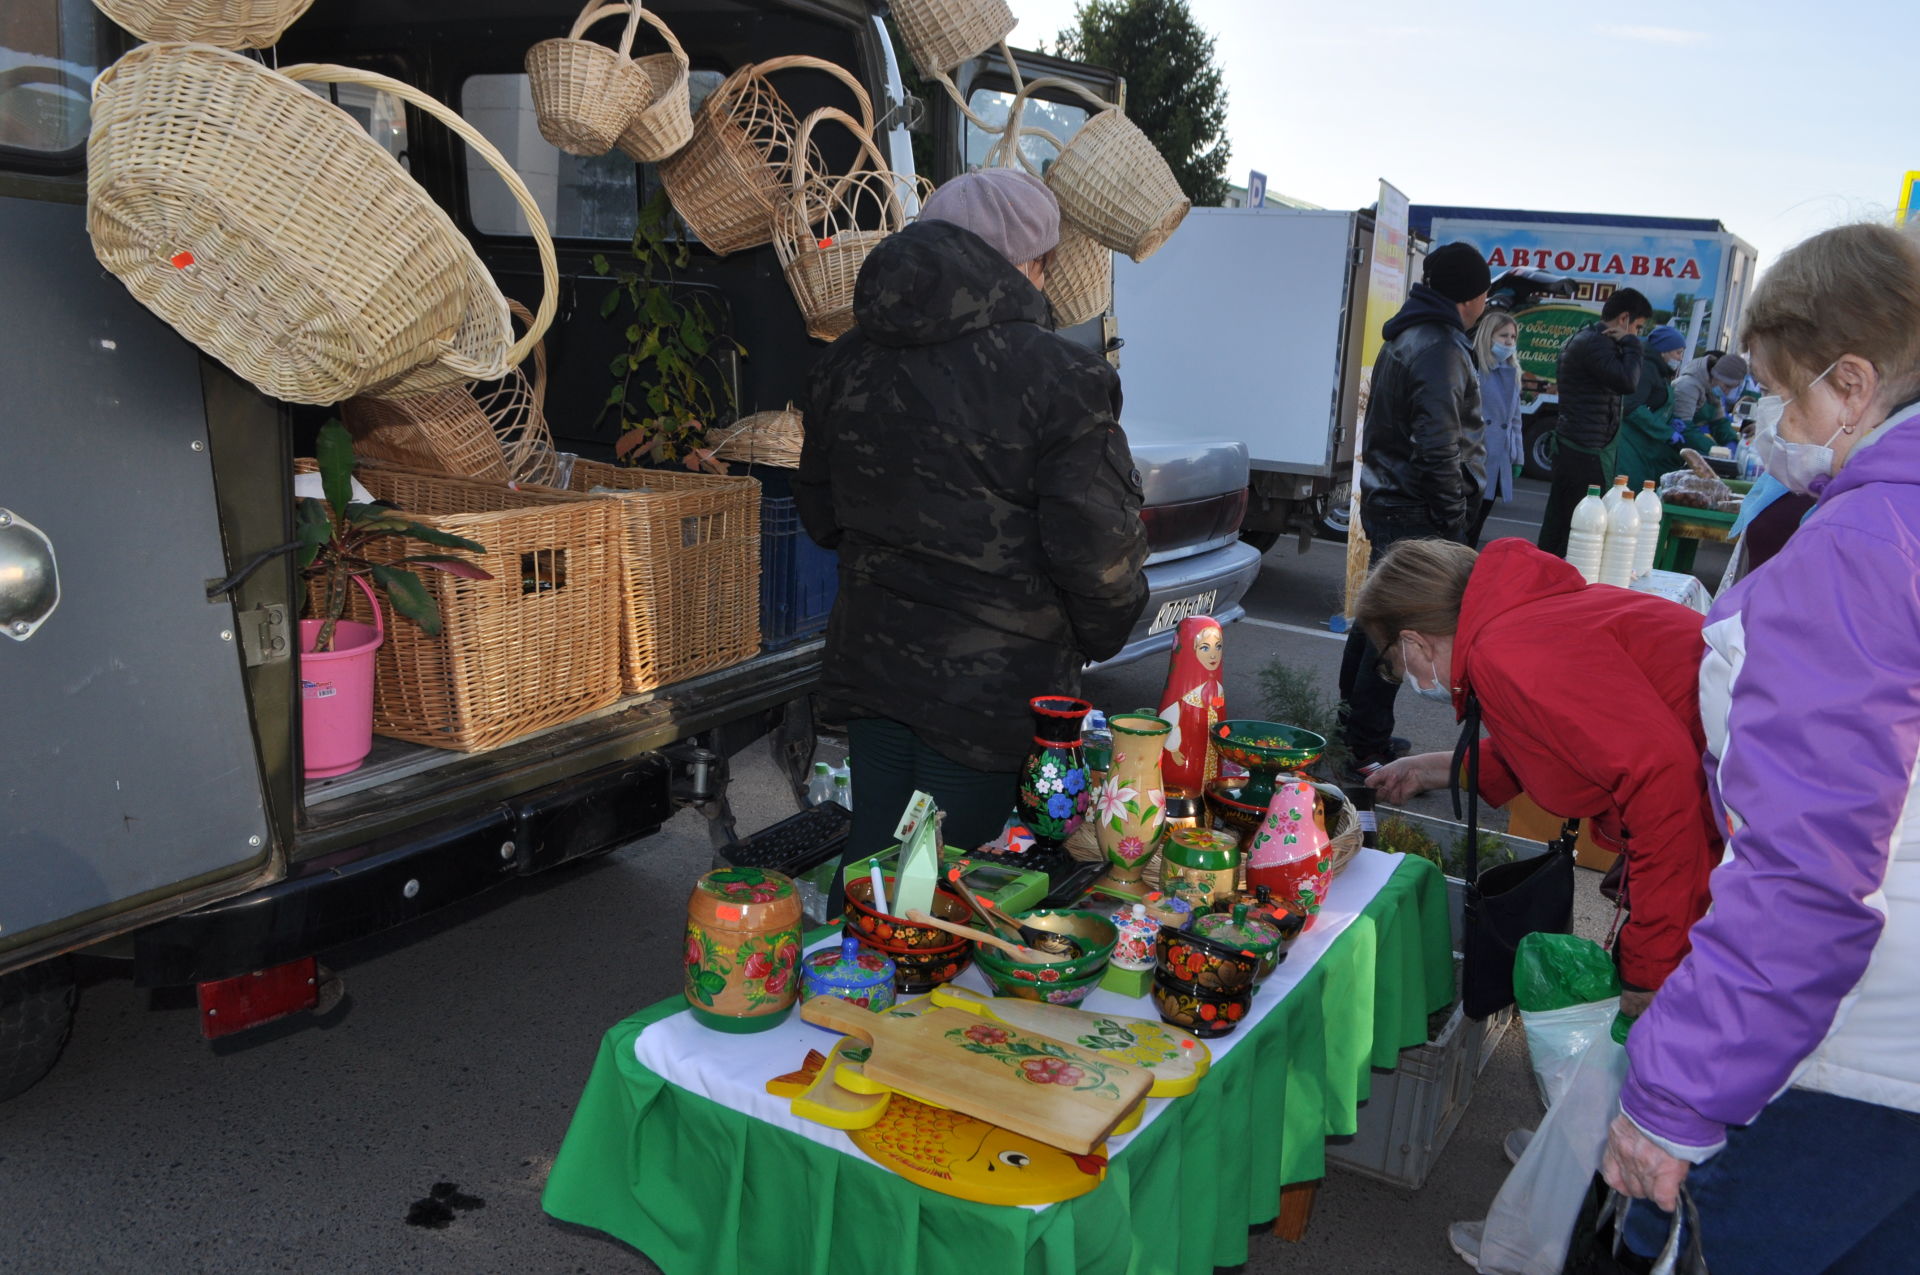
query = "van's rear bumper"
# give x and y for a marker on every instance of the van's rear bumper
(1227, 572)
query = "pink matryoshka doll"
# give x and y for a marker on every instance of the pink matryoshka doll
(1291, 853)
(1192, 704)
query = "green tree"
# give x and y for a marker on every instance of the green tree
(1174, 91)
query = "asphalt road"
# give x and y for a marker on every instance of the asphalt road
(463, 1044)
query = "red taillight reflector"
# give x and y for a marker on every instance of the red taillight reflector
(235, 1004)
(1193, 522)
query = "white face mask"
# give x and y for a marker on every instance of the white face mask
(1796, 465)
(1437, 692)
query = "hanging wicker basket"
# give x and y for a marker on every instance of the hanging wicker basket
(729, 179)
(941, 34)
(664, 122)
(828, 225)
(1109, 178)
(585, 94)
(229, 24)
(496, 431)
(266, 226)
(1079, 278)
(765, 438)
(482, 347)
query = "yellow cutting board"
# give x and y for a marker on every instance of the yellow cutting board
(1015, 1079)
(1176, 1058)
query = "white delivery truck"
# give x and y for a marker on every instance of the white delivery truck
(1555, 271)
(1247, 323)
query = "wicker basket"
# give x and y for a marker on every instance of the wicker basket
(1111, 181)
(1079, 278)
(765, 438)
(941, 34)
(531, 648)
(727, 181)
(585, 95)
(266, 226)
(665, 121)
(230, 24)
(690, 571)
(827, 227)
(494, 431)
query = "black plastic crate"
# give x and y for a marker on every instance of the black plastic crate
(798, 579)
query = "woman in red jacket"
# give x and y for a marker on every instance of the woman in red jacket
(1590, 699)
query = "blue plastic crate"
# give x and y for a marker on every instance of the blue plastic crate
(798, 579)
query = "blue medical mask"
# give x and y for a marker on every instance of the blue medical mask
(1501, 353)
(1437, 692)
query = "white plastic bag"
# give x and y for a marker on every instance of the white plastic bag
(1556, 1039)
(1531, 1223)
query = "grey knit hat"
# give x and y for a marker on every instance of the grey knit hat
(1012, 210)
(1730, 370)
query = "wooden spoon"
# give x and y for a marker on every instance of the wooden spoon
(1019, 952)
(996, 920)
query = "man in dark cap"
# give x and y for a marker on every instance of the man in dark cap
(1424, 461)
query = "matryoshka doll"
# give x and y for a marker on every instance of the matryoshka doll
(1291, 854)
(1192, 703)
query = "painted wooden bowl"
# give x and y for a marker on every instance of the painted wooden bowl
(1057, 991)
(1241, 929)
(1093, 931)
(1204, 1012)
(917, 970)
(1265, 749)
(859, 976)
(890, 932)
(1187, 958)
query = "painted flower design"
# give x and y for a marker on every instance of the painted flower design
(1111, 803)
(987, 1035)
(1060, 805)
(777, 981)
(758, 966)
(1076, 780)
(1130, 848)
(1050, 768)
(693, 951)
(1051, 1071)
(868, 961)
(789, 953)
(1156, 798)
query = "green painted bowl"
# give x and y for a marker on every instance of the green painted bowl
(1265, 749)
(1094, 931)
(1031, 983)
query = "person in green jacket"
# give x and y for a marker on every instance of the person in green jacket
(1665, 413)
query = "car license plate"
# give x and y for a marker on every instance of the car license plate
(1171, 613)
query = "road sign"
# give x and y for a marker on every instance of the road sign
(1257, 189)
(1901, 213)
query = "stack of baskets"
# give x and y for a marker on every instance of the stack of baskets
(590, 99)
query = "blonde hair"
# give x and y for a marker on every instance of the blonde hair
(1851, 290)
(1415, 587)
(1492, 321)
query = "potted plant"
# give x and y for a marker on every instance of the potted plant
(336, 536)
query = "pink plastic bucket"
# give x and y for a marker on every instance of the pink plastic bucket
(336, 693)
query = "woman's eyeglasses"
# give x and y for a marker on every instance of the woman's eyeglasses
(1386, 669)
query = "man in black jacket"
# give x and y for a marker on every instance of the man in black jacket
(1424, 463)
(967, 463)
(1598, 364)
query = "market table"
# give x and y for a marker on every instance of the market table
(1682, 528)
(705, 1173)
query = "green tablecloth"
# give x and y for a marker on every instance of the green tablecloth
(702, 1190)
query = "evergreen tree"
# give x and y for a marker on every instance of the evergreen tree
(1174, 91)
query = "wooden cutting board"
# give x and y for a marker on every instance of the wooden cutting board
(1016, 1079)
(1177, 1059)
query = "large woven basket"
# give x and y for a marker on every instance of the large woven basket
(765, 438)
(941, 34)
(828, 225)
(533, 647)
(689, 568)
(1110, 179)
(1079, 277)
(495, 431)
(483, 347)
(230, 24)
(727, 181)
(266, 226)
(664, 122)
(585, 95)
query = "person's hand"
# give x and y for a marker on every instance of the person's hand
(1633, 1004)
(1635, 1165)
(1410, 776)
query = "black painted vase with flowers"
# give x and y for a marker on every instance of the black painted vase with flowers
(1053, 783)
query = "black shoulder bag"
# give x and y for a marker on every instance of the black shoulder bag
(1508, 901)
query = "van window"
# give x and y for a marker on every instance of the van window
(597, 198)
(49, 54)
(1062, 119)
(383, 115)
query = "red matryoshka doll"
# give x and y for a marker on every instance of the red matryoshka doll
(1193, 702)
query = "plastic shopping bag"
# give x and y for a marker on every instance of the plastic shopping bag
(1569, 995)
(1530, 1226)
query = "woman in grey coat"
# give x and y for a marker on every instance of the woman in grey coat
(1495, 346)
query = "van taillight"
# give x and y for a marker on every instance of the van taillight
(1193, 522)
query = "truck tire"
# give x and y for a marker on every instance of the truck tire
(1263, 539)
(1539, 462)
(36, 1017)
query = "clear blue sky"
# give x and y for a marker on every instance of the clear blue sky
(1778, 117)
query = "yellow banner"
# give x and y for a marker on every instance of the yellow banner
(1387, 285)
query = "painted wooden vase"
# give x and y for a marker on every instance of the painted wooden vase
(1130, 808)
(1291, 854)
(743, 949)
(1053, 784)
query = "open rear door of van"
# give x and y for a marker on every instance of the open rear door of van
(130, 782)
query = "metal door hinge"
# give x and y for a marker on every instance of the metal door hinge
(265, 635)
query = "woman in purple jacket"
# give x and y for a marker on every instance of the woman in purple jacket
(1777, 1072)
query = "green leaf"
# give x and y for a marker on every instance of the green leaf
(609, 304)
(695, 338)
(410, 598)
(657, 399)
(617, 394)
(334, 452)
(451, 565)
(445, 539)
(711, 983)
(660, 307)
(648, 347)
(619, 365)
(600, 265)
(633, 333)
